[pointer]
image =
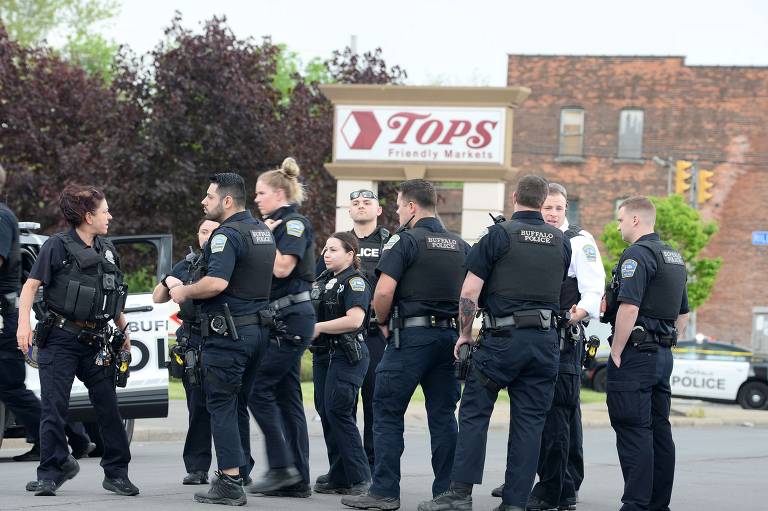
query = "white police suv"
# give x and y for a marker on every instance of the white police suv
(711, 371)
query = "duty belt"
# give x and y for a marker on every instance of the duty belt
(73, 327)
(218, 323)
(422, 321)
(490, 322)
(665, 341)
(288, 300)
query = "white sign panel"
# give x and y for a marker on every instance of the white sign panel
(420, 134)
(708, 378)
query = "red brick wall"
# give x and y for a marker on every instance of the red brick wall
(718, 115)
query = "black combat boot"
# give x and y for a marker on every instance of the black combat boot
(224, 489)
(31, 455)
(120, 485)
(371, 501)
(537, 504)
(196, 477)
(457, 498)
(297, 491)
(274, 479)
(69, 469)
(498, 491)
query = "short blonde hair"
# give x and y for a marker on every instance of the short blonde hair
(642, 206)
(286, 178)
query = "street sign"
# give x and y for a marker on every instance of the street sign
(760, 237)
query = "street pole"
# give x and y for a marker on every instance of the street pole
(694, 205)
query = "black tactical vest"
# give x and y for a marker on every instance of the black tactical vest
(89, 287)
(531, 270)
(197, 267)
(330, 304)
(252, 277)
(10, 271)
(569, 290)
(437, 272)
(370, 253)
(664, 294)
(305, 270)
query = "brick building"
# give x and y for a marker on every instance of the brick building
(594, 123)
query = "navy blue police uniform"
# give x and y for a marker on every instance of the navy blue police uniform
(523, 263)
(68, 268)
(276, 400)
(338, 383)
(370, 253)
(13, 392)
(427, 263)
(241, 251)
(197, 445)
(651, 275)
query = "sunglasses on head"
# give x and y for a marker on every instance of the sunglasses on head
(365, 194)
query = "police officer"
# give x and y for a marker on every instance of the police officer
(647, 307)
(197, 446)
(344, 298)
(364, 209)
(276, 400)
(416, 302)
(83, 291)
(232, 297)
(580, 297)
(515, 273)
(13, 392)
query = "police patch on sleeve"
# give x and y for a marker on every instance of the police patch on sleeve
(590, 252)
(217, 243)
(628, 268)
(295, 228)
(357, 284)
(109, 256)
(391, 242)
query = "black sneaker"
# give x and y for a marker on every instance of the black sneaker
(450, 500)
(330, 488)
(296, 491)
(31, 455)
(84, 452)
(537, 504)
(46, 488)
(225, 490)
(507, 507)
(69, 469)
(360, 488)
(196, 477)
(274, 479)
(371, 501)
(121, 486)
(498, 491)
(323, 479)
(568, 504)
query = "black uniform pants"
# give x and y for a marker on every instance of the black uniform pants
(525, 362)
(554, 484)
(575, 473)
(63, 358)
(229, 367)
(639, 398)
(376, 346)
(197, 445)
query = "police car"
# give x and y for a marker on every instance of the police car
(710, 371)
(146, 394)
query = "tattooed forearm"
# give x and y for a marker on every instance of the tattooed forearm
(467, 310)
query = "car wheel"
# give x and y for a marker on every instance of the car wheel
(599, 381)
(754, 395)
(93, 431)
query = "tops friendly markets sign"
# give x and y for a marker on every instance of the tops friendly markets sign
(420, 134)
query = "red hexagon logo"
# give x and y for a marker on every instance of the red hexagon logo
(360, 130)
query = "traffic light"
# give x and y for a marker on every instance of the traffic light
(682, 175)
(703, 184)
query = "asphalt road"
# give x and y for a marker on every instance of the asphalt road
(717, 468)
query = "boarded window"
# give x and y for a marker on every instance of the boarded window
(571, 132)
(631, 134)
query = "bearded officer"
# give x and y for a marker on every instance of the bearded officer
(647, 307)
(232, 297)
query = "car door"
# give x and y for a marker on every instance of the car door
(709, 370)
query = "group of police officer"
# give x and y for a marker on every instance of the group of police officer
(248, 317)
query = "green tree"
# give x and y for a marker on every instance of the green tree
(683, 228)
(290, 70)
(33, 22)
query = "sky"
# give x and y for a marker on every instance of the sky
(451, 42)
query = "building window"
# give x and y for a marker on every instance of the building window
(631, 134)
(572, 213)
(571, 132)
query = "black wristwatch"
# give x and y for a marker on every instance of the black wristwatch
(162, 281)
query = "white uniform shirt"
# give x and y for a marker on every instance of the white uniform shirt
(587, 267)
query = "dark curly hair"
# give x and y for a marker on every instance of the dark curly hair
(77, 200)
